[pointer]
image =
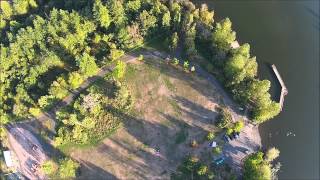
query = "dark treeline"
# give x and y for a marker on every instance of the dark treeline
(69, 40)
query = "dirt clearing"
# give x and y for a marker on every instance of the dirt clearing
(171, 109)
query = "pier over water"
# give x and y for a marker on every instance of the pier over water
(284, 90)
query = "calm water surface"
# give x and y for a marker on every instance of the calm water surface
(285, 33)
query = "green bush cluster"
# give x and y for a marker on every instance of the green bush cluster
(258, 165)
(95, 114)
(192, 167)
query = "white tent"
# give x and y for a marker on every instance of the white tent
(213, 144)
(8, 158)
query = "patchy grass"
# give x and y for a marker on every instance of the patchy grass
(181, 136)
(168, 111)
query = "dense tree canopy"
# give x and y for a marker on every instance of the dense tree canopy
(258, 168)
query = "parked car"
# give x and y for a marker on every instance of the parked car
(219, 161)
(226, 138)
(235, 134)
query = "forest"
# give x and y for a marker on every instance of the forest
(50, 47)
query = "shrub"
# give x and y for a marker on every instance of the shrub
(75, 80)
(46, 102)
(35, 111)
(194, 143)
(225, 118)
(68, 168)
(120, 69)
(238, 126)
(217, 150)
(272, 154)
(175, 61)
(202, 170)
(186, 65)
(141, 57)
(210, 175)
(210, 136)
(49, 167)
(229, 131)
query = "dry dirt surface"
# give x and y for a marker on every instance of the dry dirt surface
(28, 151)
(171, 109)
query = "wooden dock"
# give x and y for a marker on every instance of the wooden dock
(284, 90)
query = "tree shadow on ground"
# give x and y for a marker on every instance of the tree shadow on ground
(89, 171)
(143, 160)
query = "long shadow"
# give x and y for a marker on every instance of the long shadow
(191, 79)
(196, 111)
(154, 136)
(89, 171)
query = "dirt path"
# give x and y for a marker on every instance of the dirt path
(28, 151)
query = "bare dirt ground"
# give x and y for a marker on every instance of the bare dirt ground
(28, 150)
(171, 109)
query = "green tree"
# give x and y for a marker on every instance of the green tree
(101, 14)
(59, 88)
(147, 21)
(117, 13)
(206, 17)
(166, 18)
(223, 35)
(202, 170)
(174, 41)
(49, 167)
(75, 80)
(68, 168)
(133, 5)
(240, 66)
(87, 65)
(6, 9)
(238, 126)
(210, 136)
(255, 168)
(272, 154)
(120, 69)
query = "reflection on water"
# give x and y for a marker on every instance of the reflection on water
(285, 33)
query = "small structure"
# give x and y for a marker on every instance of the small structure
(213, 144)
(8, 158)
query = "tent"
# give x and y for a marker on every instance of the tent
(8, 158)
(213, 144)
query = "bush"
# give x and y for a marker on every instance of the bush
(238, 126)
(141, 57)
(49, 167)
(175, 61)
(75, 80)
(229, 131)
(202, 170)
(272, 154)
(225, 118)
(217, 150)
(210, 136)
(120, 69)
(186, 65)
(194, 143)
(35, 111)
(68, 168)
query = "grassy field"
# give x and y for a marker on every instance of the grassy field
(171, 109)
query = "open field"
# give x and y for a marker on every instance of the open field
(171, 109)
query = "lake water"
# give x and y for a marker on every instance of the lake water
(284, 33)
